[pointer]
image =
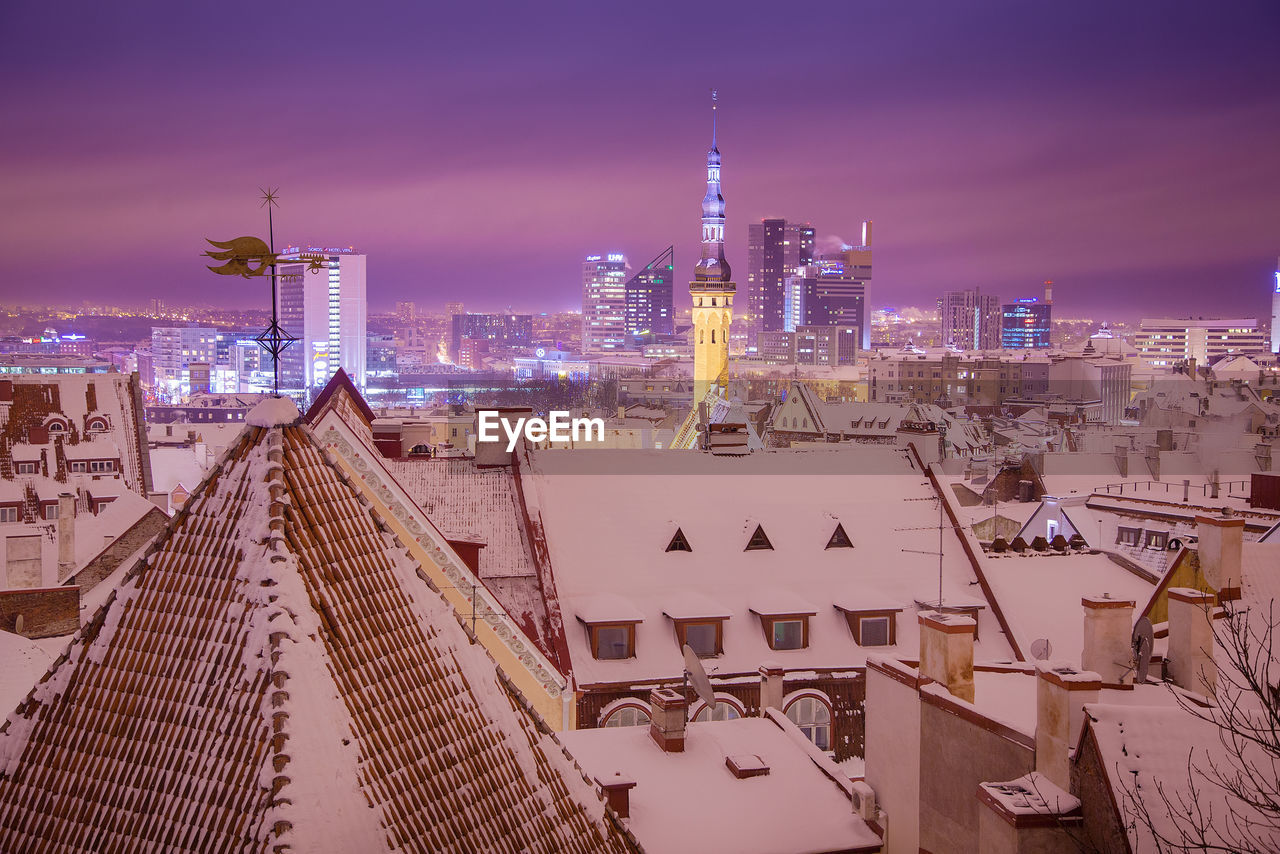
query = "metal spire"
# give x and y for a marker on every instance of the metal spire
(713, 118)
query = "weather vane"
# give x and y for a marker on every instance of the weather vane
(250, 257)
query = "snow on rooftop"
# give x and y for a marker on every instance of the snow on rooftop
(24, 662)
(691, 801)
(1040, 594)
(1143, 747)
(884, 504)
(1032, 794)
(273, 412)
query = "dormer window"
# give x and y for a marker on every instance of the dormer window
(788, 632)
(97, 424)
(759, 540)
(56, 426)
(704, 637)
(611, 627)
(839, 539)
(679, 543)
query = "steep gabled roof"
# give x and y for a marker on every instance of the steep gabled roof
(340, 391)
(277, 676)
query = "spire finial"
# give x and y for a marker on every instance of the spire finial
(713, 118)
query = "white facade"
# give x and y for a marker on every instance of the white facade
(1275, 312)
(1164, 341)
(173, 349)
(327, 311)
(604, 303)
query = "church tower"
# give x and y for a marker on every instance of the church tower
(712, 287)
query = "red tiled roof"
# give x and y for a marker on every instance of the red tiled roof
(277, 676)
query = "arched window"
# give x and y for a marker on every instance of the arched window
(56, 426)
(811, 713)
(727, 709)
(702, 336)
(625, 713)
(97, 424)
(713, 336)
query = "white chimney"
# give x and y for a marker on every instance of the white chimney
(66, 534)
(1108, 625)
(1221, 543)
(667, 714)
(1191, 640)
(946, 651)
(771, 692)
(1062, 692)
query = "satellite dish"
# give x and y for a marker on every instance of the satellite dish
(1041, 649)
(1174, 544)
(1143, 640)
(698, 676)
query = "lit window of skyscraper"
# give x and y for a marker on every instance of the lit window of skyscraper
(326, 311)
(604, 303)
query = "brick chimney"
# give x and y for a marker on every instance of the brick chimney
(1061, 694)
(771, 693)
(617, 792)
(66, 534)
(1122, 460)
(946, 651)
(1221, 543)
(1191, 640)
(667, 714)
(1108, 625)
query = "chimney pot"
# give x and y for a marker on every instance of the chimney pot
(617, 792)
(1108, 624)
(1220, 550)
(1191, 640)
(1062, 692)
(946, 651)
(668, 712)
(771, 691)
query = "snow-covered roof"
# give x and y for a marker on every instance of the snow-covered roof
(1145, 750)
(173, 466)
(277, 674)
(24, 663)
(1040, 593)
(797, 498)
(692, 802)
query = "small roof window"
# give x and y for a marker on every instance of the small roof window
(679, 543)
(759, 540)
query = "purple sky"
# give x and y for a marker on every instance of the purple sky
(477, 151)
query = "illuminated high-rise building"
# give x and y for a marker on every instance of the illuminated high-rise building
(650, 296)
(1275, 312)
(970, 320)
(775, 250)
(604, 303)
(1027, 324)
(326, 312)
(712, 288)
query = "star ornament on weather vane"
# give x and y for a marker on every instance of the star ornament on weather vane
(250, 257)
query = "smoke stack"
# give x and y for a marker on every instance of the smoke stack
(1107, 626)
(1061, 695)
(866, 232)
(771, 676)
(946, 651)
(1048, 292)
(66, 534)
(667, 712)
(1191, 640)
(1220, 547)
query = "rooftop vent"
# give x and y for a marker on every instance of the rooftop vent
(744, 765)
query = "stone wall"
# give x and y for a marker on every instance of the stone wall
(45, 612)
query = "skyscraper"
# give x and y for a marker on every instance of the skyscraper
(326, 311)
(604, 303)
(712, 288)
(650, 297)
(970, 320)
(775, 249)
(1026, 324)
(1275, 312)
(826, 293)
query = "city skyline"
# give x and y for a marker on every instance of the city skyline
(996, 147)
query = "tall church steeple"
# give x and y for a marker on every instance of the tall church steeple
(712, 287)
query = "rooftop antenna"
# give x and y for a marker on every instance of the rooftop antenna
(1041, 649)
(942, 526)
(694, 672)
(1143, 640)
